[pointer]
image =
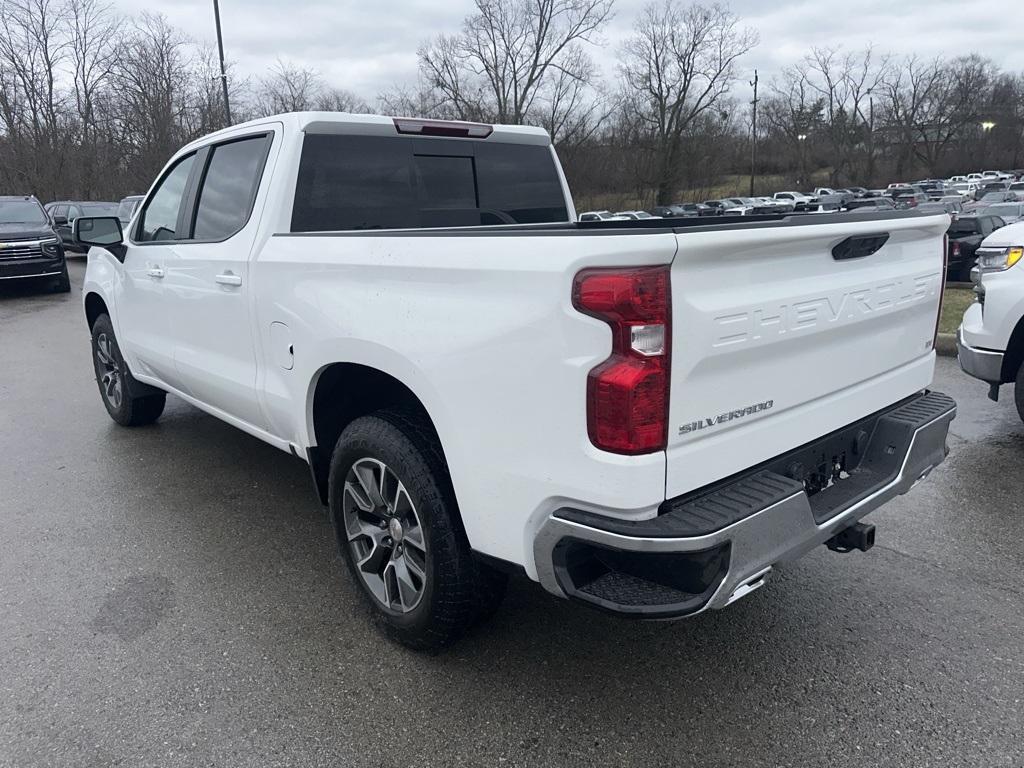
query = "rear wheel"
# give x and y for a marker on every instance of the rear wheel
(116, 382)
(399, 531)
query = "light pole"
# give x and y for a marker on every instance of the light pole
(753, 136)
(220, 50)
(802, 139)
(986, 129)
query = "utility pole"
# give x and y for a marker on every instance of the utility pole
(753, 136)
(223, 73)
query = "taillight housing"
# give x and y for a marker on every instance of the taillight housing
(628, 393)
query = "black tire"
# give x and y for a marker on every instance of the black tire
(1018, 392)
(116, 383)
(62, 284)
(457, 590)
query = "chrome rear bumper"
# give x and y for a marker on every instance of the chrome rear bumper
(676, 565)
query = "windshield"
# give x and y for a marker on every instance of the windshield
(1005, 209)
(99, 209)
(21, 212)
(126, 209)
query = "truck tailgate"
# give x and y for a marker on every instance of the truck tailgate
(777, 340)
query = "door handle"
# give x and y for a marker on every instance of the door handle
(228, 278)
(155, 272)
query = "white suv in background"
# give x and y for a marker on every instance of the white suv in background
(990, 341)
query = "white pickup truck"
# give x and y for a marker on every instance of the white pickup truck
(990, 340)
(644, 416)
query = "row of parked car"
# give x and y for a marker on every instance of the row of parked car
(954, 195)
(980, 203)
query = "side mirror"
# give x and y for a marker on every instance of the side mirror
(60, 221)
(101, 231)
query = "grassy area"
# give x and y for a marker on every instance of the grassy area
(955, 303)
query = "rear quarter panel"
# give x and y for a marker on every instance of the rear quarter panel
(481, 328)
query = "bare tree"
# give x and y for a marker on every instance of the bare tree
(498, 67)
(933, 103)
(288, 88)
(679, 63)
(93, 44)
(32, 48)
(151, 83)
(340, 100)
(417, 101)
(570, 107)
(293, 88)
(91, 105)
(827, 98)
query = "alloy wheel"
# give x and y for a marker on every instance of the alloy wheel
(385, 535)
(111, 380)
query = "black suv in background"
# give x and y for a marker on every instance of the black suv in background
(29, 246)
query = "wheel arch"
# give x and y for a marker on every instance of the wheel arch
(94, 307)
(340, 393)
(1013, 358)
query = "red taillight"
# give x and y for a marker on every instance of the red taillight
(627, 394)
(956, 249)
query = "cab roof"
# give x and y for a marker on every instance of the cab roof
(382, 125)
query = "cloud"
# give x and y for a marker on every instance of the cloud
(368, 47)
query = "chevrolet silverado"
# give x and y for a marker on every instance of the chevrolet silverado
(644, 416)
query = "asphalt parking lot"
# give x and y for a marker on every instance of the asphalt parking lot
(170, 596)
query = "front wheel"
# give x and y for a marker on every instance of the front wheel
(399, 531)
(116, 382)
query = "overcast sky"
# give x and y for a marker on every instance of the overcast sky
(366, 47)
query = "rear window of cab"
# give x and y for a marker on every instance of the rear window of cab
(379, 182)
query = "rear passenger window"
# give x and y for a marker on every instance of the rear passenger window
(378, 182)
(353, 182)
(229, 187)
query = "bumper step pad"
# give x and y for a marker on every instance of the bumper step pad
(710, 547)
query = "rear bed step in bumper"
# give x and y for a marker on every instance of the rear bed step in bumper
(711, 547)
